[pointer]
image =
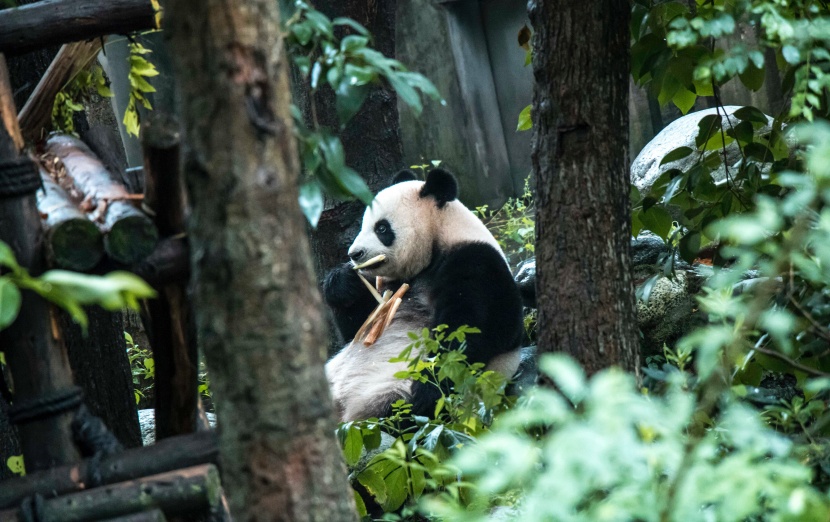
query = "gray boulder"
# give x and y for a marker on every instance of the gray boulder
(646, 167)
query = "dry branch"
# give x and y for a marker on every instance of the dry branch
(129, 235)
(52, 22)
(36, 116)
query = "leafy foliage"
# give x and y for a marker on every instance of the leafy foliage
(142, 367)
(140, 69)
(69, 290)
(350, 68)
(70, 99)
(513, 225)
(601, 450)
(414, 463)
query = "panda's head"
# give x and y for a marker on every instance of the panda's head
(410, 220)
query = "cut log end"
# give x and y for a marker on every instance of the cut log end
(131, 239)
(75, 244)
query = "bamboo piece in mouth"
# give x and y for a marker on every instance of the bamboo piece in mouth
(375, 260)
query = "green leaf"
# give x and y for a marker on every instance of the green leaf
(406, 92)
(791, 54)
(752, 114)
(708, 126)
(349, 99)
(524, 120)
(744, 132)
(351, 23)
(9, 302)
(353, 445)
(658, 220)
(752, 77)
(311, 202)
(354, 184)
(373, 483)
(361, 506)
(353, 42)
(684, 100)
(676, 154)
(758, 152)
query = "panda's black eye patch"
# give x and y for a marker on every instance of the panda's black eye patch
(384, 232)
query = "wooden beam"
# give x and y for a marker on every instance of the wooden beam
(182, 492)
(166, 455)
(32, 344)
(36, 116)
(52, 22)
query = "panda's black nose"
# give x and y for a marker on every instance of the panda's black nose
(355, 256)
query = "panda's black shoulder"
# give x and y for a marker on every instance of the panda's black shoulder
(476, 264)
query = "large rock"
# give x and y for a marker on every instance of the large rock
(682, 132)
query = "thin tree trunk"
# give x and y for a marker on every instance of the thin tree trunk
(258, 311)
(580, 157)
(100, 365)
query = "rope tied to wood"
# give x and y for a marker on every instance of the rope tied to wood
(18, 177)
(47, 405)
(95, 441)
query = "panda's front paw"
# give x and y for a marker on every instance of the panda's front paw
(342, 287)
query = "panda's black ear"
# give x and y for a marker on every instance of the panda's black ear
(404, 175)
(441, 185)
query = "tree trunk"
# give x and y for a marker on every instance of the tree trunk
(371, 139)
(257, 307)
(580, 157)
(101, 367)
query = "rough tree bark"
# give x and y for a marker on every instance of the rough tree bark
(371, 139)
(258, 311)
(580, 157)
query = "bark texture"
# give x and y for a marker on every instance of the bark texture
(371, 139)
(100, 365)
(580, 158)
(258, 311)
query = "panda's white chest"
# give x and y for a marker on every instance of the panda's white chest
(362, 379)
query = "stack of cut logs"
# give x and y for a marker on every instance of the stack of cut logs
(86, 212)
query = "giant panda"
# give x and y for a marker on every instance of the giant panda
(458, 275)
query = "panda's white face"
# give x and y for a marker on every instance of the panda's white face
(399, 224)
(409, 220)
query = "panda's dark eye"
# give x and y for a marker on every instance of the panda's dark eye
(384, 232)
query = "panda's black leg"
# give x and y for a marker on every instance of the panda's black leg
(349, 300)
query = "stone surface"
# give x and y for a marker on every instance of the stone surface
(147, 422)
(646, 167)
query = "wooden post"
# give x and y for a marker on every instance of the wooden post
(169, 316)
(167, 455)
(52, 22)
(36, 116)
(32, 344)
(181, 492)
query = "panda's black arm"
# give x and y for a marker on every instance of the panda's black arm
(473, 286)
(349, 300)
